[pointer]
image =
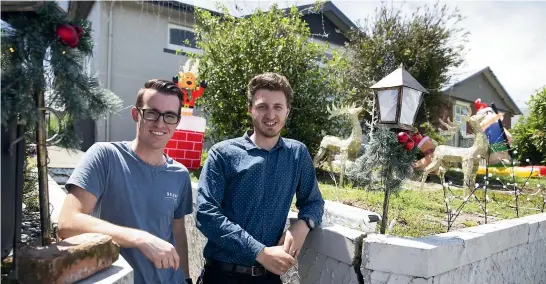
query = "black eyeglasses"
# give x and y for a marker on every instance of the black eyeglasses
(154, 115)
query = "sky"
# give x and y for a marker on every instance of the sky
(507, 36)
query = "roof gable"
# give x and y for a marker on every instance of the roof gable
(493, 82)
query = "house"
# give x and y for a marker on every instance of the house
(139, 40)
(461, 96)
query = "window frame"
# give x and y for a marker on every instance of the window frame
(177, 47)
(461, 104)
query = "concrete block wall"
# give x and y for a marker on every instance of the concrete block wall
(508, 251)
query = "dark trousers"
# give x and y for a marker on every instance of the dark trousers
(213, 275)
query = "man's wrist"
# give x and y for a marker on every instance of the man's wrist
(309, 222)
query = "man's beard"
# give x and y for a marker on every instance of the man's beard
(261, 128)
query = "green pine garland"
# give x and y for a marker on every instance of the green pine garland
(384, 165)
(35, 61)
(384, 159)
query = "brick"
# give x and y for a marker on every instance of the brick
(185, 145)
(195, 164)
(68, 261)
(195, 137)
(179, 135)
(171, 144)
(198, 146)
(192, 155)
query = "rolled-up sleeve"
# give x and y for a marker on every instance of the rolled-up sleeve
(209, 216)
(309, 200)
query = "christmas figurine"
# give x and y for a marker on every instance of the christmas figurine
(186, 80)
(490, 125)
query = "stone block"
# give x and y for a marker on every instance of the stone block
(68, 261)
(503, 234)
(454, 249)
(396, 255)
(537, 226)
(350, 217)
(337, 242)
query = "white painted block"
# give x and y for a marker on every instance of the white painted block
(537, 226)
(471, 248)
(349, 216)
(504, 234)
(396, 255)
(335, 241)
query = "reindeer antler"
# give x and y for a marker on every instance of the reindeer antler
(452, 127)
(335, 111)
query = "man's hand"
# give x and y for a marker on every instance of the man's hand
(292, 240)
(276, 260)
(161, 253)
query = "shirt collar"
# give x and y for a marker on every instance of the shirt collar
(249, 144)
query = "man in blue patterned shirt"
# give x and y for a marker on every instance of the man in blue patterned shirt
(246, 189)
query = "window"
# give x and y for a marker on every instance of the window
(182, 38)
(461, 110)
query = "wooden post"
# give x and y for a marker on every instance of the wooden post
(41, 150)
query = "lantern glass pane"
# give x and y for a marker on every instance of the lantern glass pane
(410, 103)
(388, 99)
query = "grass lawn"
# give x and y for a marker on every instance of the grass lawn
(420, 213)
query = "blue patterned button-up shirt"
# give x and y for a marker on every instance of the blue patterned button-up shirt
(245, 193)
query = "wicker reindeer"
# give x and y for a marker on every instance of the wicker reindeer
(470, 157)
(347, 148)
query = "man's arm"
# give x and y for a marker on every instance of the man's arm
(180, 236)
(85, 186)
(309, 200)
(309, 203)
(75, 219)
(210, 219)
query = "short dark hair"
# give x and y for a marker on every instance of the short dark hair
(162, 86)
(270, 81)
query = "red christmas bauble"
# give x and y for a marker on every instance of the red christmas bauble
(417, 137)
(409, 145)
(403, 137)
(68, 35)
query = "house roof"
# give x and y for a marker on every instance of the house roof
(495, 83)
(332, 12)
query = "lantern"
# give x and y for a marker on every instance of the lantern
(398, 96)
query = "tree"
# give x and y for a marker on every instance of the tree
(236, 49)
(42, 56)
(529, 133)
(428, 44)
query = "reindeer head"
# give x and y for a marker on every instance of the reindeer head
(350, 110)
(475, 122)
(187, 78)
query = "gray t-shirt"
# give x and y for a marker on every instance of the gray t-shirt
(134, 194)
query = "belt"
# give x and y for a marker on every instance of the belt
(228, 267)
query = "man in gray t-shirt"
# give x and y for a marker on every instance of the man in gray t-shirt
(133, 192)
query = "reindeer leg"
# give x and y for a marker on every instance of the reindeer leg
(343, 161)
(319, 156)
(467, 172)
(431, 167)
